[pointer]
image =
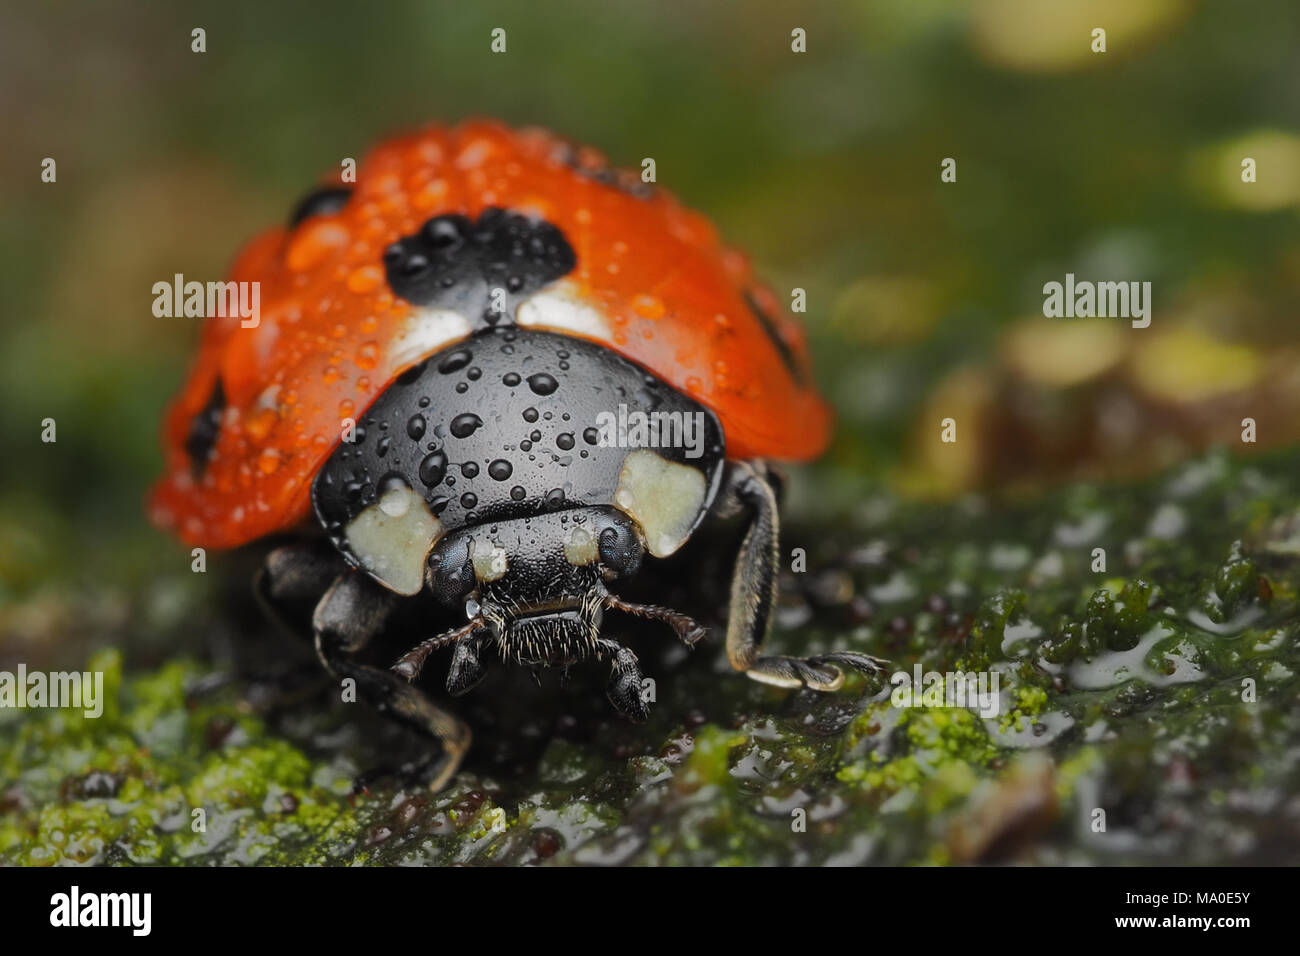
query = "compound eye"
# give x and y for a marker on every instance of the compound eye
(620, 550)
(451, 572)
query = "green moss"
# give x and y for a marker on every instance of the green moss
(1029, 703)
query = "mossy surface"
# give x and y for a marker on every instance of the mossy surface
(1148, 713)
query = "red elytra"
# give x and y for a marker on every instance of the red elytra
(674, 299)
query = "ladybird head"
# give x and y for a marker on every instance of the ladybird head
(536, 585)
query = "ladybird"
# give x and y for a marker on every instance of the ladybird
(494, 370)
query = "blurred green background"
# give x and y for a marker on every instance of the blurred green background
(823, 165)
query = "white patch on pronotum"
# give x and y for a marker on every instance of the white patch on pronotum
(664, 498)
(580, 549)
(560, 309)
(425, 332)
(392, 538)
(489, 560)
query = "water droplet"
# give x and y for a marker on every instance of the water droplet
(518, 493)
(455, 361)
(365, 279)
(564, 441)
(259, 425)
(542, 384)
(414, 264)
(469, 469)
(468, 500)
(368, 355)
(433, 468)
(462, 426)
(591, 436)
(443, 232)
(474, 374)
(648, 307)
(415, 427)
(511, 378)
(500, 469)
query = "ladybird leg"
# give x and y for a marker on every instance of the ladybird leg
(290, 581)
(753, 593)
(685, 627)
(294, 575)
(625, 679)
(350, 614)
(753, 582)
(467, 668)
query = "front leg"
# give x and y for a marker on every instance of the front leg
(350, 614)
(753, 593)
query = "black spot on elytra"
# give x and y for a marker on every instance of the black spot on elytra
(774, 336)
(480, 268)
(624, 180)
(320, 202)
(204, 428)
